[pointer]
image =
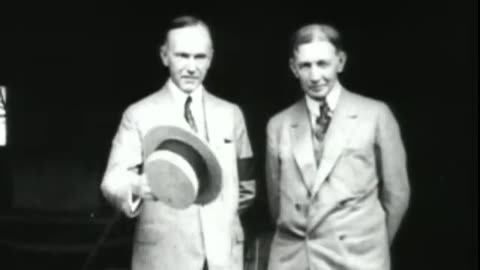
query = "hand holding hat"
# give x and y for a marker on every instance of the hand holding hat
(180, 168)
(141, 189)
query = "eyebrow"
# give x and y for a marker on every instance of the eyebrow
(309, 63)
(195, 55)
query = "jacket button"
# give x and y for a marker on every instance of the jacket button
(342, 237)
(297, 206)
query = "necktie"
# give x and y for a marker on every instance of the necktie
(322, 121)
(319, 130)
(188, 114)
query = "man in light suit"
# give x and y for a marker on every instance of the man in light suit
(336, 167)
(199, 237)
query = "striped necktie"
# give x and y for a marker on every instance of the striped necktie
(323, 121)
(188, 114)
(319, 130)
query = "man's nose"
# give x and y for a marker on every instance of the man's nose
(315, 74)
(191, 65)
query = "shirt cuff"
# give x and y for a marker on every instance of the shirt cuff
(134, 202)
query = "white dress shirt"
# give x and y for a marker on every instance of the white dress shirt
(331, 98)
(196, 106)
(313, 107)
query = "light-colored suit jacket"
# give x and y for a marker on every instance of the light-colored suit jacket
(360, 191)
(170, 239)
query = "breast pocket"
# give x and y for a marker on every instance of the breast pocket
(225, 152)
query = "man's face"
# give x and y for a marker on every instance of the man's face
(188, 53)
(317, 65)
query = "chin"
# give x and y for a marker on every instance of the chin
(316, 94)
(319, 93)
(187, 88)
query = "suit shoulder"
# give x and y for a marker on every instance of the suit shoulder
(367, 103)
(284, 116)
(225, 105)
(144, 104)
(221, 102)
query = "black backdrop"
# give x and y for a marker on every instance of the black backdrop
(72, 69)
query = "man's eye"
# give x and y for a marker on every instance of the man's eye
(200, 56)
(182, 55)
(323, 63)
(304, 65)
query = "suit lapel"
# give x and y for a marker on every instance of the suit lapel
(341, 128)
(302, 142)
(212, 118)
(168, 107)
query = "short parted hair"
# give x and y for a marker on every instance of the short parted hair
(184, 21)
(316, 32)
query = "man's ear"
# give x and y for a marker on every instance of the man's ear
(342, 58)
(163, 54)
(211, 57)
(293, 67)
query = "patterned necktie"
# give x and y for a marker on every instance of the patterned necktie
(322, 121)
(188, 114)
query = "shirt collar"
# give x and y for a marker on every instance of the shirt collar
(331, 98)
(180, 96)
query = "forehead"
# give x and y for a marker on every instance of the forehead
(315, 51)
(189, 39)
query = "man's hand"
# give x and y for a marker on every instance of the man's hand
(141, 189)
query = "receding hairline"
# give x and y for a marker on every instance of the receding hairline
(316, 32)
(186, 22)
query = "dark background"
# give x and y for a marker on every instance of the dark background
(71, 69)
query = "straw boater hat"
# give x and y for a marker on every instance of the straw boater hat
(180, 168)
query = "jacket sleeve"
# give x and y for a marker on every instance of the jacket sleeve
(122, 173)
(245, 162)
(272, 172)
(392, 167)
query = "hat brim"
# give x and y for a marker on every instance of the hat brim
(212, 185)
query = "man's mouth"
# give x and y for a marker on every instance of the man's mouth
(317, 87)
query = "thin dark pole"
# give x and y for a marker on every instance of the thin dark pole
(93, 253)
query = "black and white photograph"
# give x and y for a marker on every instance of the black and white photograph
(305, 135)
